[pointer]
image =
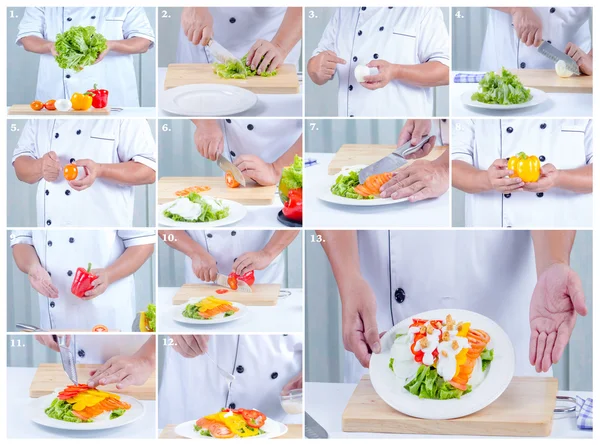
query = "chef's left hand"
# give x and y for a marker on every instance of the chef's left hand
(100, 284)
(557, 298)
(382, 78)
(547, 180)
(295, 383)
(585, 61)
(256, 169)
(273, 56)
(248, 261)
(124, 370)
(92, 169)
(103, 54)
(420, 180)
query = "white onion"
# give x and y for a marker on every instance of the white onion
(562, 70)
(63, 104)
(362, 70)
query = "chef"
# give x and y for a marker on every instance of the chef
(127, 31)
(274, 33)
(264, 367)
(521, 280)
(408, 47)
(259, 148)
(513, 35)
(562, 196)
(122, 360)
(208, 252)
(115, 154)
(51, 258)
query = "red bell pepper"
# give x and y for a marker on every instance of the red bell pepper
(232, 280)
(292, 208)
(100, 99)
(83, 281)
(247, 278)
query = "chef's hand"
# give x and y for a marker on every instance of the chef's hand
(273, 55)
(324, 65)
(248, 261)
(528, 26)
(205, 267)
(557, 298)
(258, 170)
(418, 181)
(382, 78)
(103, 54)
(584, 60)
(100, 284)
(294, 383)
(124, 370)
(49, 342)
(51, 168)
(547, 180)
(92, 169)
(197, 25)
(498, 177)
(414, 130)
(208, 138)
(52, 49)
(40, 280)
(190, 346)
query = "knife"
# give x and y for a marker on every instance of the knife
(222, 281)
(227, 166)
(393, 161)
(552, 53)
(220, 53)
(312, 429)
(28, 327)
(66, 356)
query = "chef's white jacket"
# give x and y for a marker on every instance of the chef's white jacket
(560, 25)
(61, 252)
(94, 349)
(107, 141)
(115, 72)
(399, 35)
(565, 143)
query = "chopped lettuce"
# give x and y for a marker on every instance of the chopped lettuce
(62, 410)
(78, 47)
(208, 213)
(291, 176)
(344, 186)
(151, 317)
(237, 69)
(503, 89)
(427, 384)
(117, 413)
(487, 355)
(391, 364)
(191, 311)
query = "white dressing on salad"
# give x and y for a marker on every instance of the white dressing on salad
(214, 204)
(185, 208)
(446, 366)
(433, 340)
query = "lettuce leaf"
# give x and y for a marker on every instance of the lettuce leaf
(503, 89)
(427, 384)
(344, 186)
(62, 410)
(151, 317)
(237, 69)
(208, 213)
(291, 176)
(487, 355)
(78, 47)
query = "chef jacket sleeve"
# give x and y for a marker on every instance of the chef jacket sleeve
(32, 24)
(136, 24)
(136, 143)
(588, 142)
(433, 44)
(328, 40)
(132, 238)
(21, 237)
(26, 145)
(463, 141)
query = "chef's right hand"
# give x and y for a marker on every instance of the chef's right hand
(190, 346)
(414, 130)
(325, 64)
(40, 280)
(49, 342)
(197, 25)
(528, 26)
(205, 267)
(50, 166)
(208, 138)
(498, 177)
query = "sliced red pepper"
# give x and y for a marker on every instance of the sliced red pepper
(232, 280)
(221, 291)
(247, 278)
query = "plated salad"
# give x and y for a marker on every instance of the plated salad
(209, 308)
(148, 319)
(232, 423)
(196, 208)
(501, 89)
(441, 360)
(234, 69)
(347, 185)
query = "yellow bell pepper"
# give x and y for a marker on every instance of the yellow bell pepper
(464, 330)
(525, 167)
(82, 101)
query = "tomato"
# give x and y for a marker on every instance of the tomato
(253, 418)
(36, 105)
(221, 291)
(232, 280)
(99, 328)
(230, 180)
(50, 105)
(220, 431)
(70, 172)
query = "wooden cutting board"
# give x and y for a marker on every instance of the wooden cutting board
(294, 432)
(524, 409)
(548, 81)
(51, 376)
(262, 294)
(252, 194)
(366, 154)
(285, 82)
(25, 109)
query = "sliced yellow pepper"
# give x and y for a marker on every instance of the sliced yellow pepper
(464, 329)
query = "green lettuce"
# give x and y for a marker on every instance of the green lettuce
(391, 364)
(237, 69)
(487, 355)
(78, 47)
(208, 213)
(503, 89)
(344, 186)
(291, 176)
(427, 384)
(62, 410)
(151, 317)
(116, 414)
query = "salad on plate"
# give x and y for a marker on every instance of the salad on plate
(347, 184)
(209, 308)
(232, 423)
(501, 89)
(196, 208)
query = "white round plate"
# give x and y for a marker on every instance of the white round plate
(36, 408)
(236, 213)
(537, 97)
(177, 314)
(498, 375)
(207, 100)
(272, 429)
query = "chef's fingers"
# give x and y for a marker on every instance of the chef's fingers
(196, 36)
(371, 85)
(409, 191)
(328, 71)
(537, 40)
(373, 79)
(252, 51)
(406, 132)
(422, 128)
(370, 328)
(562, 340)
(212, 274)
(500, 163)
(332, 57)
(421, 195)
(547, 358)
(258, 55)
(577, 56)
(93, 381)
(212, 150)
(575, 289)
(275, 63)
(533, 346)
(202, 341)
(51, 290)
(47, 341)
(127, 381)
(207, 34)
(237, 261)
(197, 345)
(266, 61)
(539, 353)
(358, 346)
(570, 49)
(52, 155)
(424, 150)
(244, 263)
(185, 342)
(531, 38)
(114, 375)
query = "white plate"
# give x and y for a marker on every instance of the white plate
(498, 375)
(35, 411)
(538, 97)
(177, 314)
(272, 429)
(236, 213)
(207, 100)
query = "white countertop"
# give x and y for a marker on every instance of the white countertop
(320, 214)
(18, 426)
(285, 316)
(325, 402)
(269, 105)
(126, 112)
(557, 105)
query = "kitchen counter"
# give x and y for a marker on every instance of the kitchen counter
(557, 105)
(285, 316)
(126, 112)
(320, 214)
(326, 402)
(18, 426)
(268, 105)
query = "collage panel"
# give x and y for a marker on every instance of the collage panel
(81, 386)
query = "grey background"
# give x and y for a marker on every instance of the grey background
(23, 306)
(22, 76)
(171, 269)
(325, 356)
(22, 195)
(322, 100)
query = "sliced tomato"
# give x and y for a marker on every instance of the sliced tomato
(99, 328)
(221, 291)
(230, 180)
(253, 418)
(220, 431)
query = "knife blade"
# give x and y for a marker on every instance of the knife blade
(29, 327)
(220, 53)
(393, 161)
(227, 166)
(312, 429)
(66, 356)
(554, 54)
(222, 281)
